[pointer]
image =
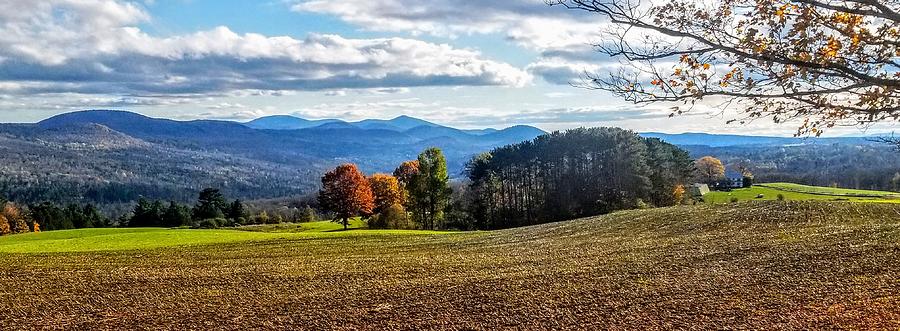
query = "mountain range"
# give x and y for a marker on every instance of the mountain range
(114, 157)
(117, 156)
(425, 129)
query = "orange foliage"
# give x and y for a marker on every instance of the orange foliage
(406, 171)
(678, 194)
(387, 191)
(822, 63)
(346, 192)
(710, 169)
(4, 226)
(14, 219)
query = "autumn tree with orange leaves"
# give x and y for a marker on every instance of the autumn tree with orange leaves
(346, 192)
(387, 191)
(12, 220)
(710, 169)
(4, 226)
(821, 63)
(406, 172)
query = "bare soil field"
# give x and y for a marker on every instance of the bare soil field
(759, 265)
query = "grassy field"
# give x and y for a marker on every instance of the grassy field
(833, 191)
(90, 240)
(758, 265)
(325, 226)
(796, 192)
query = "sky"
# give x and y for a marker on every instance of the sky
(462, 63)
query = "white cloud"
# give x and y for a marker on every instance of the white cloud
(95, 46)
(556, 33)
(370, 91)
(52, 31)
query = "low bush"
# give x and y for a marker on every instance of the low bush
(212, 223)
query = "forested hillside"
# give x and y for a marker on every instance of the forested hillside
(114, 157)
(111, 158)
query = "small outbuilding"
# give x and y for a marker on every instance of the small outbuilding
(699, 190)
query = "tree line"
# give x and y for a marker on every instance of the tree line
(576, 173)
(15, 218)
(856, 166)
(554, 177)
(211, 210)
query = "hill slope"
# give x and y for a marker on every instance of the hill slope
(789, 191)
(745, 266)
(110, 157)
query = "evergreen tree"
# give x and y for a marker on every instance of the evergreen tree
(236, 211)
(211, 204)
(577, 173)
(176, 215)
(50, 217)
(146, 214)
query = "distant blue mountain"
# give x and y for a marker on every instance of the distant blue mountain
(514, 133)
(118, 156)
(375, 145)
(728, 140)
(401, 123)
(285, 122)
(334, 125)
(288, 122)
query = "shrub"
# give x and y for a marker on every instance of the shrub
(376, 222)
(734, 199)
(747, 182)
(278, 219)
(308, 215)
(780, 197)
(640, 204)
(459, 219)
(226, 222)
(211, 223)
(393, 217)
(262, 218)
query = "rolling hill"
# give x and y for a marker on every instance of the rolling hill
(287, 122)
(763, 265)
(113, 157)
